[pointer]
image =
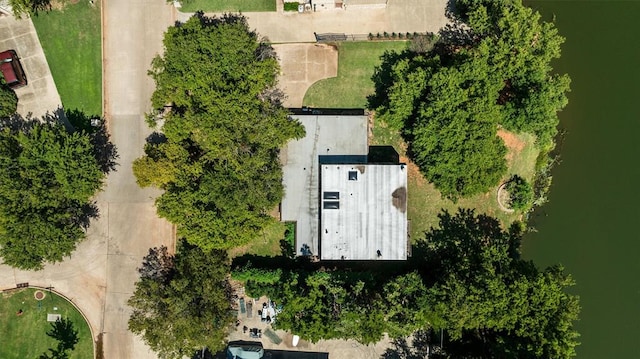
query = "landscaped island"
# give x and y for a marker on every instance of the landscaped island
(28, 328)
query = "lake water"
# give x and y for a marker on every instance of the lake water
(592, 223)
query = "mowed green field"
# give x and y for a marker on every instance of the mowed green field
(356, 63)
(71, 39)
(228, 5)
(24, 336)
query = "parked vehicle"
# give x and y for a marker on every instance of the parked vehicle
(12, 69)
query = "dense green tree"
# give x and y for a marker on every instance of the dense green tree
(182, 303)
(343, 304)
(520, 193)
(223, 127)
(8, 99)
(448, 102)
(47, 179)
(491, 301)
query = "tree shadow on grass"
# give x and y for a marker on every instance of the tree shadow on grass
(66, 334)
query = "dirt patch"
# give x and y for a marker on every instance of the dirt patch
(513, 143)
(99, 347)
(413, 172)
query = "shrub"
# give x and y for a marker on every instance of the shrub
(520, 193)
(256, 275)
(8, 99)
(291, 6)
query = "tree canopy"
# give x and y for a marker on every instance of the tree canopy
(182, 303)
(47, 179)
(466, 278)
(217, 155)
(491, 301)
(339, 304)
(494, 70)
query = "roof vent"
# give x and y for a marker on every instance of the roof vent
(353, 175)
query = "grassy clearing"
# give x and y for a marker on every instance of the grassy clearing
(268, 244)
(356, 62)
(25, 336)
(71, 42)
(425, 201)
(228, 5)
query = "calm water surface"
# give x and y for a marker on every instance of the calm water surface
(592, 223)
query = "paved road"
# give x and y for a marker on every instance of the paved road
(100, 275)
(132, 34)
(399, 16)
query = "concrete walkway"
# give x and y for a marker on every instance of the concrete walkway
(399, 16)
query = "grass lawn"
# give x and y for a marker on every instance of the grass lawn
(228, 5)
(425, 201)
(356, 62)
(25, 336)
(71, 42)
(267, 244)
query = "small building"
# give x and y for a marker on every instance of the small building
(364, 212)
(348, 202)
(254, 350)
(245, 350)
